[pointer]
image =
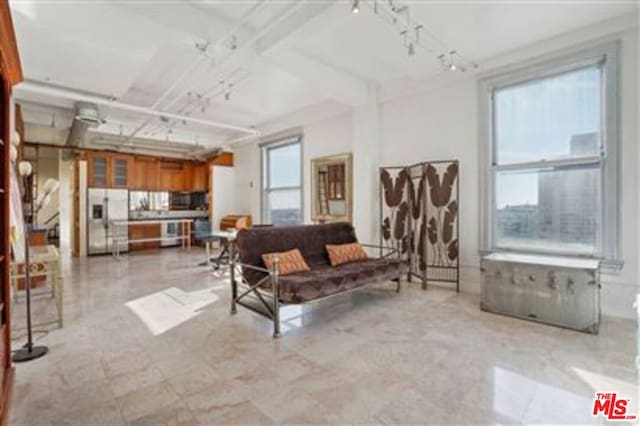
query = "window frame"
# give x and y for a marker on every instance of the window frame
(607, 58)
(265, 188)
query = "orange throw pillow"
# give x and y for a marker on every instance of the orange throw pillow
(290, 261)
(345, 253)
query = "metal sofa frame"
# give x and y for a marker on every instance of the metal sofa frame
(267, 303)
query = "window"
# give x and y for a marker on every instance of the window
(282, 182)
(551, 163)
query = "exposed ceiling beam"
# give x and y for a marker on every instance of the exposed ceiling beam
(42, 89)
(278, 47)
(323, 78)
(311, 15)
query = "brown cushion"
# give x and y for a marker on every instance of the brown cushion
(290, 262)
(345, 253)
(328, 280)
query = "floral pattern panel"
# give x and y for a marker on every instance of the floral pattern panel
(395, 208)
(419, 216)
(442, 221)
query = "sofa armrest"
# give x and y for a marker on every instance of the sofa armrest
(255, 268)
(390, 251)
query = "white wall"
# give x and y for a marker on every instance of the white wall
(66, 204)
(223, 194)
(330, 136)
(439, 121)
(442, 123)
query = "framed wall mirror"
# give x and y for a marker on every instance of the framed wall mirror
(331, 188)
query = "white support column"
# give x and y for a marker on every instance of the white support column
(65, 197)
(82, 211)
(366, 160)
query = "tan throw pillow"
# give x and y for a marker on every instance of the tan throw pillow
(290, 261)
(345, 253)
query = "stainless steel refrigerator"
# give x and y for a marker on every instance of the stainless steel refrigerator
(105, 205)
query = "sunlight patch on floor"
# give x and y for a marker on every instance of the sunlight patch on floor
(166, 309)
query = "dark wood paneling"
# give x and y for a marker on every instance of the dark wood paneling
(9, 59)
(10, 74)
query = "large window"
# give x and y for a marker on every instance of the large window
(282, 182)
(551, 165)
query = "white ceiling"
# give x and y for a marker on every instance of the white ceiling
(288, 55)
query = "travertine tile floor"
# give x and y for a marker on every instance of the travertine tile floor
(371, 357)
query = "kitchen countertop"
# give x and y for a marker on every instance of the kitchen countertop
(148, 221)
(164, 219)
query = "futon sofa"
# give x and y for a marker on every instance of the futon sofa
(264, 290)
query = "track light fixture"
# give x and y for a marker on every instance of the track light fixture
(355, 6)
(227, 95)
(398, 14)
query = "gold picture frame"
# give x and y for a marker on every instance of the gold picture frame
(332, 188)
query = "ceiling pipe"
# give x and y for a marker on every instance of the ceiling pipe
(48, 90)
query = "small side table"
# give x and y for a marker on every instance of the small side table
(44, 262)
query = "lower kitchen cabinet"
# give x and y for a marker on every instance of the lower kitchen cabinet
(144, 231)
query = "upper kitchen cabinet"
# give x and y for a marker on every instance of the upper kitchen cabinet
(108, 170)
(145, 174)
(98, 167)
(172, 176)
(199, 177)
(111, 170)
(120, 171)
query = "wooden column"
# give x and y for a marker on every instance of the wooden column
(10, 75)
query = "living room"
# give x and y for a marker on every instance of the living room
(443, 196)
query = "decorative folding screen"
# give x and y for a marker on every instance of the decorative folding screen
(419, 217)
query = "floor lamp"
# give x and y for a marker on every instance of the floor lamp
(29, 351)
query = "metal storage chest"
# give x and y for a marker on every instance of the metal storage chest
(559, 291)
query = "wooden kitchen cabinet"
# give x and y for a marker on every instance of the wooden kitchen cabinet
(172, 176)
(108, 170)
(145, 174)
(97, 169)
(119, 171)
(199, 177)
(141, 231)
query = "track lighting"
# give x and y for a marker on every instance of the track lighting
(227, 95)
(397, 13)
(355, 6)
